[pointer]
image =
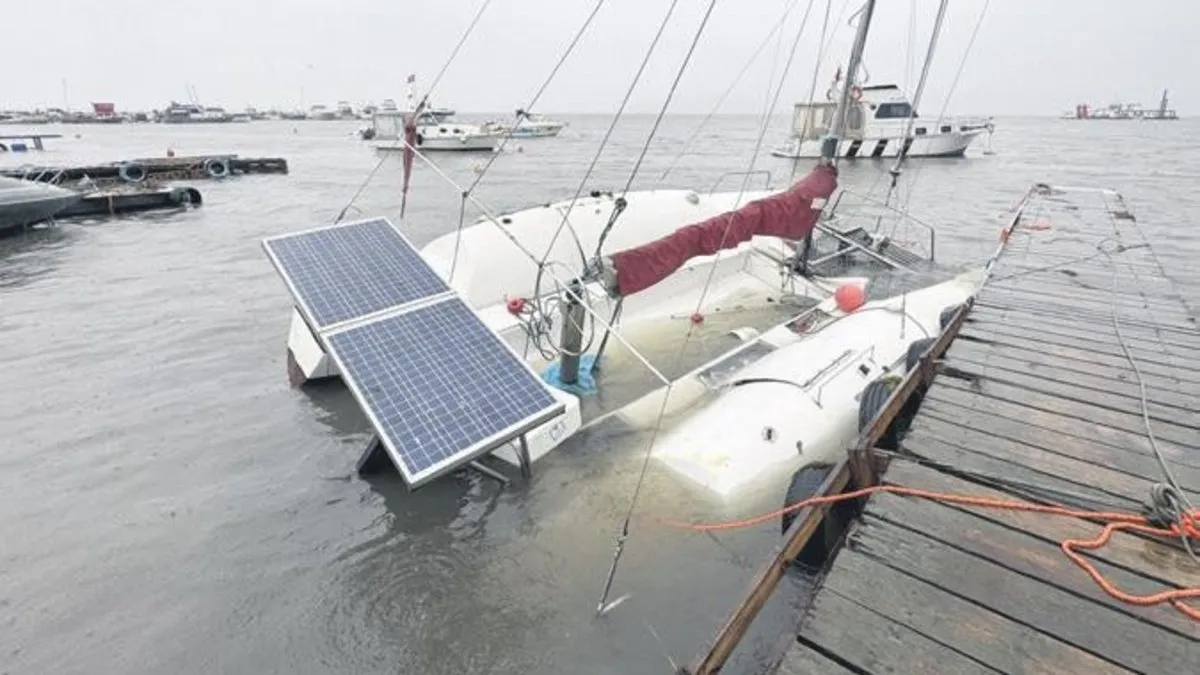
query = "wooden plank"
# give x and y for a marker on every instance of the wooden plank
(871, 643)
(1048, 601)
(976, 430)
(1067, 361)
(1143, 347)
(957, 402)
(1120, 396)
(1099, 302)
(1156, 565)
(1092, 312)
(801, 659)
(1101, 325)
(1182, 436)
(1090, 487)
(976, 631)
(1157, 291)
(1087, 279)
(1031, 366)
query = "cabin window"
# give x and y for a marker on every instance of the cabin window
(946, 128)
(919, 131)
(891, 111)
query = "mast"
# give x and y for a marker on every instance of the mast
(830, 143)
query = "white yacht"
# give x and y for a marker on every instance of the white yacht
(876, 122)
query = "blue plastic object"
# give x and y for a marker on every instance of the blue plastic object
(586, 382)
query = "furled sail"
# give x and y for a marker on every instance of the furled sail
(787, 215)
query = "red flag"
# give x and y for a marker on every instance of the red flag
(410, 140)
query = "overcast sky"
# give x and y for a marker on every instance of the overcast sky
(1031, 56)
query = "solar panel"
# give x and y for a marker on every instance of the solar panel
(439, 386)
(351, 270)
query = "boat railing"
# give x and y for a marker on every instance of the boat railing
(902, 214)
(747, 174)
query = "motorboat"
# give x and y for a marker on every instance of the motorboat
(880, 122)
(24, 202)
(529, 125)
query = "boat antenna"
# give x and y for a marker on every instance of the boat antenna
(829, 145)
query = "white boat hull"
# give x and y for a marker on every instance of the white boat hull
(798, 405)
(951, 144)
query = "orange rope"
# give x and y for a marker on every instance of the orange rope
(1116, 521)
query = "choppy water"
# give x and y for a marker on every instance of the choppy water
(169, 505)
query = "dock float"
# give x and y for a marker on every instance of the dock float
(1072, 372)
(115, 202)
(154, 169)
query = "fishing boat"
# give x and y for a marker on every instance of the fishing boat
(433, 132)
(25, 202)
(877, 125)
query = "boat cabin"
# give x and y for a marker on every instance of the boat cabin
(878, 105)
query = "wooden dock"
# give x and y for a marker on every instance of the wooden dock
(1043, 396)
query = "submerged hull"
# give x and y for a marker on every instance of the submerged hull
(798, 405)
(24, 203)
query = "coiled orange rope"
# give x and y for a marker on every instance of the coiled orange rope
(1189, 526)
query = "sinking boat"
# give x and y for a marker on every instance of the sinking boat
(735, 252)
(25, 202)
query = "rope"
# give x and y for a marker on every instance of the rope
(1115, 521)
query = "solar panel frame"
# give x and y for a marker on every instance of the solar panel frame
(421, 280)
(471, 328)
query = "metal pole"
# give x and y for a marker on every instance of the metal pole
(830, 144)
(571, 343)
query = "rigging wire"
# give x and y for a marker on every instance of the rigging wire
(822, 44)
(608, 134)
(445, 66)
(949, 94)
(662, 111)
(687, 145)
(624, 532)
(916, 100)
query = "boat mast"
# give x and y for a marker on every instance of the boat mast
(830, 144)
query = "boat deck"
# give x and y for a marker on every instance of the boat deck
(1037, 400)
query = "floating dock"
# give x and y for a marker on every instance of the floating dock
(1038, 392)
(15, 142)
(154, 169)
(114, 202)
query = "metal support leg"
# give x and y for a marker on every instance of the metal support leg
(374, 458)
(523, 458)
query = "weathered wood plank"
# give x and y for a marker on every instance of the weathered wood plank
(1094, 312)
(978, 632)
(1182, 436)
(1038, 601)
(1009, 461)
(1155, 563)
(873, 644)
(1071, 363)
(1101, 324)
(801, 659)
(970, 431)
(1142, 346)
(1130, 295)
(957, 402)
(1119, 396)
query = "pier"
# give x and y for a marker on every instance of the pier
(6, 141)
(196, 167)
(1048, 405)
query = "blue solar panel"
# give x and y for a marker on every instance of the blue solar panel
(439, 386)
(348, 271)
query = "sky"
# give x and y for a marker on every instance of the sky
(1031, 57)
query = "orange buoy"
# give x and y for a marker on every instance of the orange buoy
(849, 297)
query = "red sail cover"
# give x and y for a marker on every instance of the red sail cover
(788, 215)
